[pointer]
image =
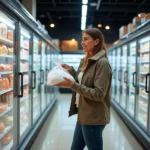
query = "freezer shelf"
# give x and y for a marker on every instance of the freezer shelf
(6, 130)
(5, 41)
(5, 111)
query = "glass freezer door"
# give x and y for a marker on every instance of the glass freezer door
(118, 75)
(124, 77)
(143, 96)
(48, 88)
(7, 62)
(36, 78)
(132, 77)
(114, 73)
(25, 69)
(43, 64)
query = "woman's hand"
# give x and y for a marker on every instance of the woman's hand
(67, 67)
(67, 83)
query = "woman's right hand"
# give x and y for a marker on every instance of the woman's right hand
(67, 67)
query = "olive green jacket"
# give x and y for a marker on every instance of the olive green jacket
(95, 91)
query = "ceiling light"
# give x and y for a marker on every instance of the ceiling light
(84, 1)
(73, 40)
(52, 25)
(82, 26)
(107, 27)
(93, 4)
(84, 10)
(83, 19)
(99, 25)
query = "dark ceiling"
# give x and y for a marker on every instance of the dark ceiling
(66, 14)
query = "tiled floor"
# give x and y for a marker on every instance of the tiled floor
(57, 132)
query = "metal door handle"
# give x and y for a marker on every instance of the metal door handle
(147, 91)
(21, 74)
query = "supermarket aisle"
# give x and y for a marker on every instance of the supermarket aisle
(57, 132)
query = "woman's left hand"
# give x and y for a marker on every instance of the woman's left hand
(66, 83)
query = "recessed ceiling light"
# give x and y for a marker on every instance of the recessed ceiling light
(52, 25)
(107, 27)
(93, 4)
(99, 25)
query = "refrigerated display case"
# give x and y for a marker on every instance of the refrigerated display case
(143, 97)
(131, 78)
(25, 94)
(48, 68)
(124, 77)
(114, 73)
(7, 61)
(36, 78)
(118, 75)
(42, 72)
(132, 98)
(73, 59)
(23, 59)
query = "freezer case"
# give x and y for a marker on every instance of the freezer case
(42, 74)
(24, 82)
(7, 66)
(131, 79)
(36, 78)
(118, 75)
(143, 82)
(48, 68)
(123, 77)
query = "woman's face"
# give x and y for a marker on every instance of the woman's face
(87, 43)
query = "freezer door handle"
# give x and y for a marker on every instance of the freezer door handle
(119, 72)
(47, 73)
(114, 72)
(42, 75)
(134, 73)
(21, 75)
(125, 76)
(34, 73)
(147, 91)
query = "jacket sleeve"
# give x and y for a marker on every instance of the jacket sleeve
(102, 82)
(73, 72)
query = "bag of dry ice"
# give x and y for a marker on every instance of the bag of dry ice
(57, 74)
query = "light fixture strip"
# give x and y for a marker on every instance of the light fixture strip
(83, 18)
(84, 2)
(84, 10)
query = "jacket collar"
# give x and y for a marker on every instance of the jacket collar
(98, 55)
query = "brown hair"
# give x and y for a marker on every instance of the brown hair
(95, 34)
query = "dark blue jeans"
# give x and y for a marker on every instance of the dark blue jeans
(88, 135)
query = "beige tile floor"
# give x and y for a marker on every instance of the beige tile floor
(57, 131)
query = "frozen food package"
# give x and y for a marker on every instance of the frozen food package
(57, 74)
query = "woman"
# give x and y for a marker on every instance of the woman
(91, 92)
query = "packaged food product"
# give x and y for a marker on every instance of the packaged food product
(3, 106)
(7, 120)
(3, 30)
(4, 49)
(9, 98)
(1, 84)
(2, 126)
(10, 51)
(6, 139)
(10, 78)
(10, 35)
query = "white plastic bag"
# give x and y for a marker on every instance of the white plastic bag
(57, 74)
